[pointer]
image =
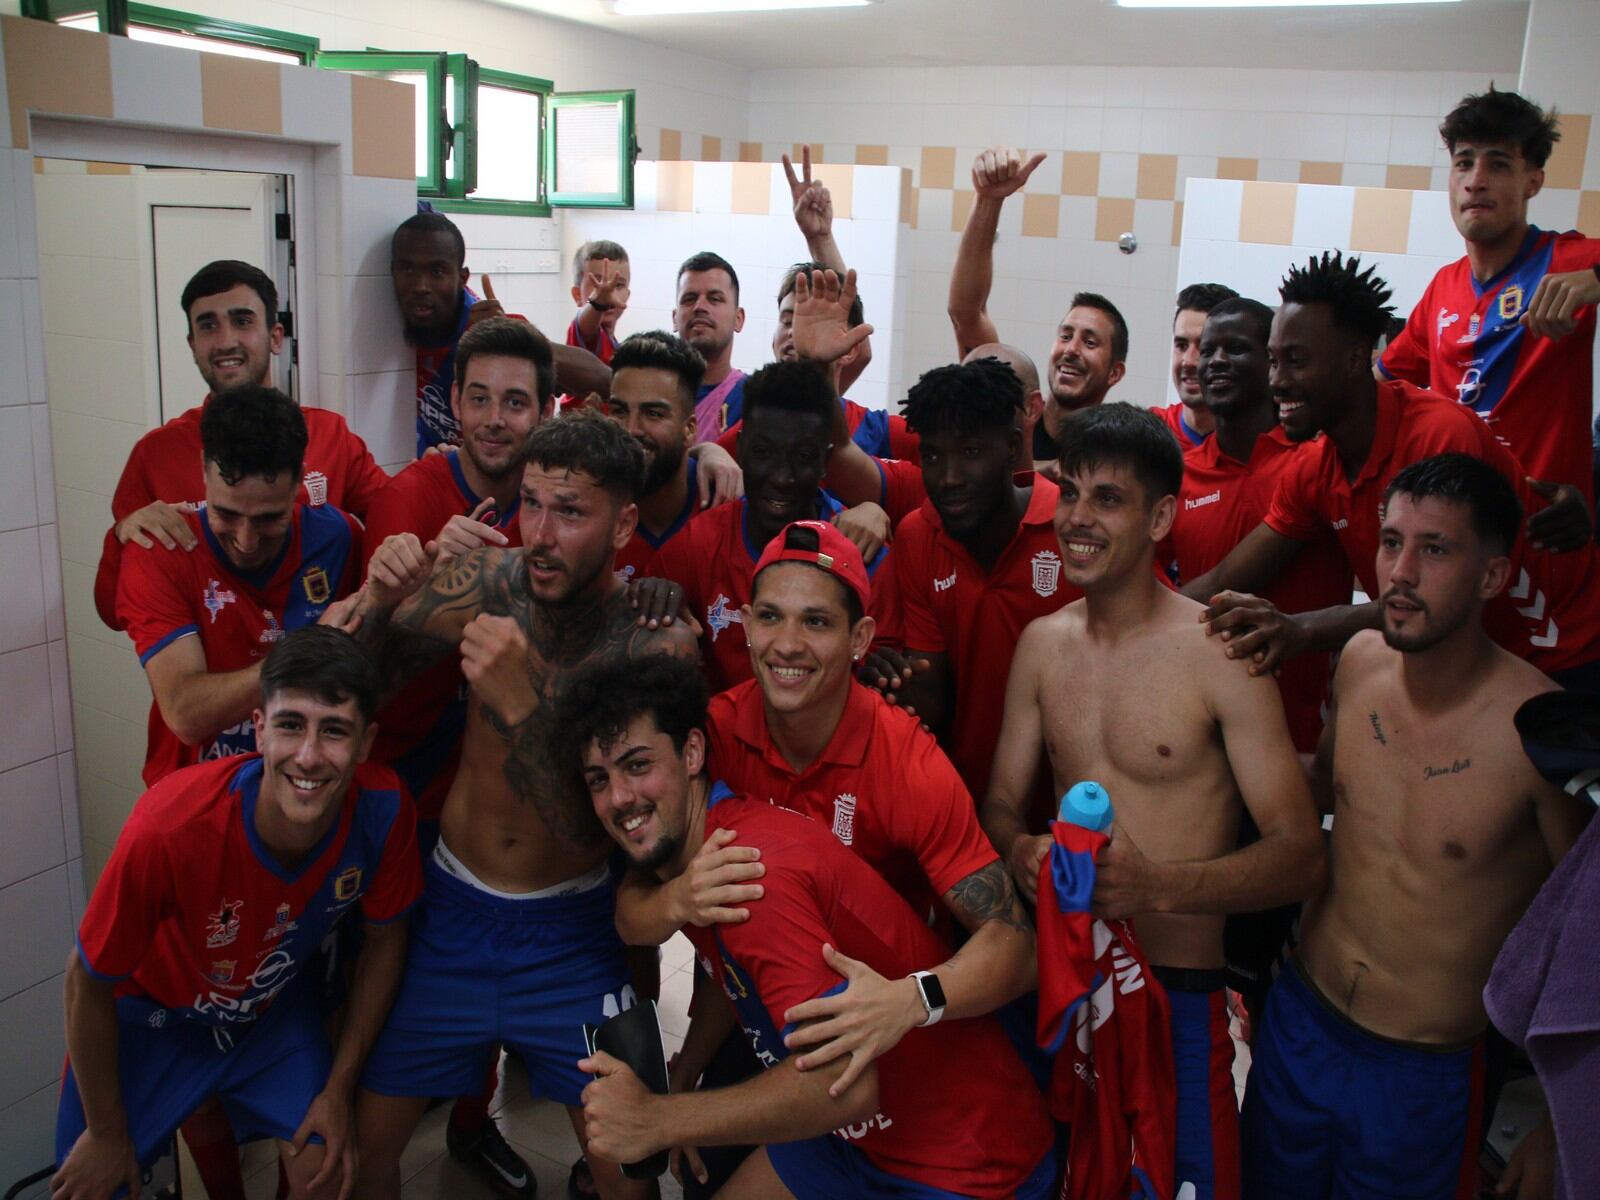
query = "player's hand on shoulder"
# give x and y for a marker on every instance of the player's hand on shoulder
(866, 1020)
(1027, 852)
(1000, 170)
(494, 659)
(95, 1167)
(619, 1113)
(718, 478)
(398, 569)
(158, 523)
(867, 525)
(1253, 629)
(720, 880)
(1553, 308)
(466, 532)
(658, 601)
(1565, 523)
(885, 669)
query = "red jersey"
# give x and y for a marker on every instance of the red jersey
(957, 1110)
(603, 346)
(419, 731)
(1114, 1081)
(714, 560)
(165, 595)
(635, 558)
(166, 465)
(1175, 417)
(881, 784)
(1220, 502)
(1465, 341)
(1548, 615)
(195, 917)
(952, 606)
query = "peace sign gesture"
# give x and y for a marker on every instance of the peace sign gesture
(813, 204)
(608, 288)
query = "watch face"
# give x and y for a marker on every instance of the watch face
(932, 993)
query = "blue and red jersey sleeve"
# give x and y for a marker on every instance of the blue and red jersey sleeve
(134, 894)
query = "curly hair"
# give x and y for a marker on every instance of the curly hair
(1359, 300)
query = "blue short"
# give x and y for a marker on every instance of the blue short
(485, 970)
(266, 1072)
(1208, 1105)
(828, 1167)
(1333, 1112)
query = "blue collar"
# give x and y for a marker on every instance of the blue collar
(502, 519)
(719, 792)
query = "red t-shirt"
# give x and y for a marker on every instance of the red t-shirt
(165, 595)
(951, 605)
(881, 784)
(165, 465)
(419, 732)
(714, 561)
(605, 345)
(1548, 615)
(957, 1110)
(1464, 340)
(1221, 501)
(635, 558)
(1175, 417)
(195, 916)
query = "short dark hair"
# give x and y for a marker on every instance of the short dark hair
(709, 260)
(326, 662)
(965, 399)
(509, 338)
(1202, 297)
(1464, 479)
(253, 430)
(1127, 435)
(1359, 300)
(432, 222)
(858, 312)
(1503, 118)
(1119, 326)
(1260, 313)
(798, 387)
(598, 702)
(596, 445)
(589, 251)
(662, 351)
(226, 274)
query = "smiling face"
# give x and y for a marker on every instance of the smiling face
(1490, 186)
(639, 783)
(968, 476)
(1434, 572)
(784, 456)
(1314, 369)
(653, 405)
(1232, 358)
(802, 644)
(1186, 332)
(230, 339)
(309, 753)
(497, 405)
(428, 275)
(1108, 525)
(571, 531)
(707, 314)
(1081, 370)
(251, 519)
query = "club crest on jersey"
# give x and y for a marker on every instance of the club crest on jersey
(316, 488)
(1046, 572)
(216, 597)
(720, 614)
(844, 818)
(315, 583)
(157, 1019)
(222, 926)
(273, 632)
(281, 924)
(1510, 302)
(222, 972)
(347, 886)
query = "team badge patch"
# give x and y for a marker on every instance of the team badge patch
(348, 884)
(1510, 302)
(273, 632)
(1046, 572)
(222, 926)
(315, 583)
(216, 597)
(222, 972)
(844, 818)
(720, 614)
(316, 488)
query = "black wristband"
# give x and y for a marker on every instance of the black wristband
(598, 307)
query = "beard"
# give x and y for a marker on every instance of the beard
(662, 468)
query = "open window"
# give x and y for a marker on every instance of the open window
(146, 23)
(508, 137)
(589, 150)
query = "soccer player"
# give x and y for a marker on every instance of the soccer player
(232, 313)
(783, 449)
(1508, 330)
(1320, 348)
(1123, 687)
(1190, 420)
(1090, 352)
(1368, 1070)
(515, 941)
(707, 315)
(264, 564)
(921, 1121)
(225, 879)
(600, 277)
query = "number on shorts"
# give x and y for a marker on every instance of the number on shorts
(618, 1002)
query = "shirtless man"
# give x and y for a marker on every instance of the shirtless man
(1119, 689)
(514, 942)
(1368, 1070)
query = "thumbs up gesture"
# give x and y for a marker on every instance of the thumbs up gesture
(487, 306)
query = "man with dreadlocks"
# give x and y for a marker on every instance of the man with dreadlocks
(1321, 345)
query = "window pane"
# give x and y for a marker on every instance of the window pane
(587, 138)
(89, 21)
(508, 144)
(165, 37)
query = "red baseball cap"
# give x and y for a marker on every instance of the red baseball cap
(821, 545)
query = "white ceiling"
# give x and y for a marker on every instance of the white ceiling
(1475, 35)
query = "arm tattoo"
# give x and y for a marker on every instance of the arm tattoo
(417, 633)
(987, 895)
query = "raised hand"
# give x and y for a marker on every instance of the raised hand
(1000, 170)
(398, 569)
(1553, 307)
(464, 533)
(813, 204)
(822, 303)
(487, 306)
(607, 290)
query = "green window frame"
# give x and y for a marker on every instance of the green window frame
(619, 196)
(473, 202)
(119, 16)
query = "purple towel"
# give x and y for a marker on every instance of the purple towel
(1544, 994)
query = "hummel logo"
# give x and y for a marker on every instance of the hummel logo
(945, 584)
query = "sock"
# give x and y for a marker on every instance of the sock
(215, 1153)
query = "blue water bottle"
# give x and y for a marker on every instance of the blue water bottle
(1087, 804)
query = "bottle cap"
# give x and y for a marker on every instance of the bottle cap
(1088, 805)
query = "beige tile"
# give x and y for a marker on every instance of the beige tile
(1158, 177)
(1589, 213)
(54, 70)
(1417, 179)
(1381, 220)
(1080, 172)
(382, 132)
(938, 167)
(750, 152)
(752, 188)
(1113, 217)
(105, 168)
(241, 93)
(960, 209)
(1041, 216)
(1266, 213)
(1565, 167)
(1321, 172)
(872, 156)
(840, 180)
(674, 186)
(908, 198)
(710, 148)
(797, 152)
(1177, 223)
(671, 146)
(1237, 168)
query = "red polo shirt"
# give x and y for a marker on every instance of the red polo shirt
(881, 784)
(1174, 417)
(1221, 501)
(952, 606)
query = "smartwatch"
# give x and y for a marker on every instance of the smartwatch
(932, 996)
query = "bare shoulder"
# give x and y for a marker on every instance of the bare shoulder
(1513, 681)
(1364, 658)
(1050, 630)
(624, 634)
